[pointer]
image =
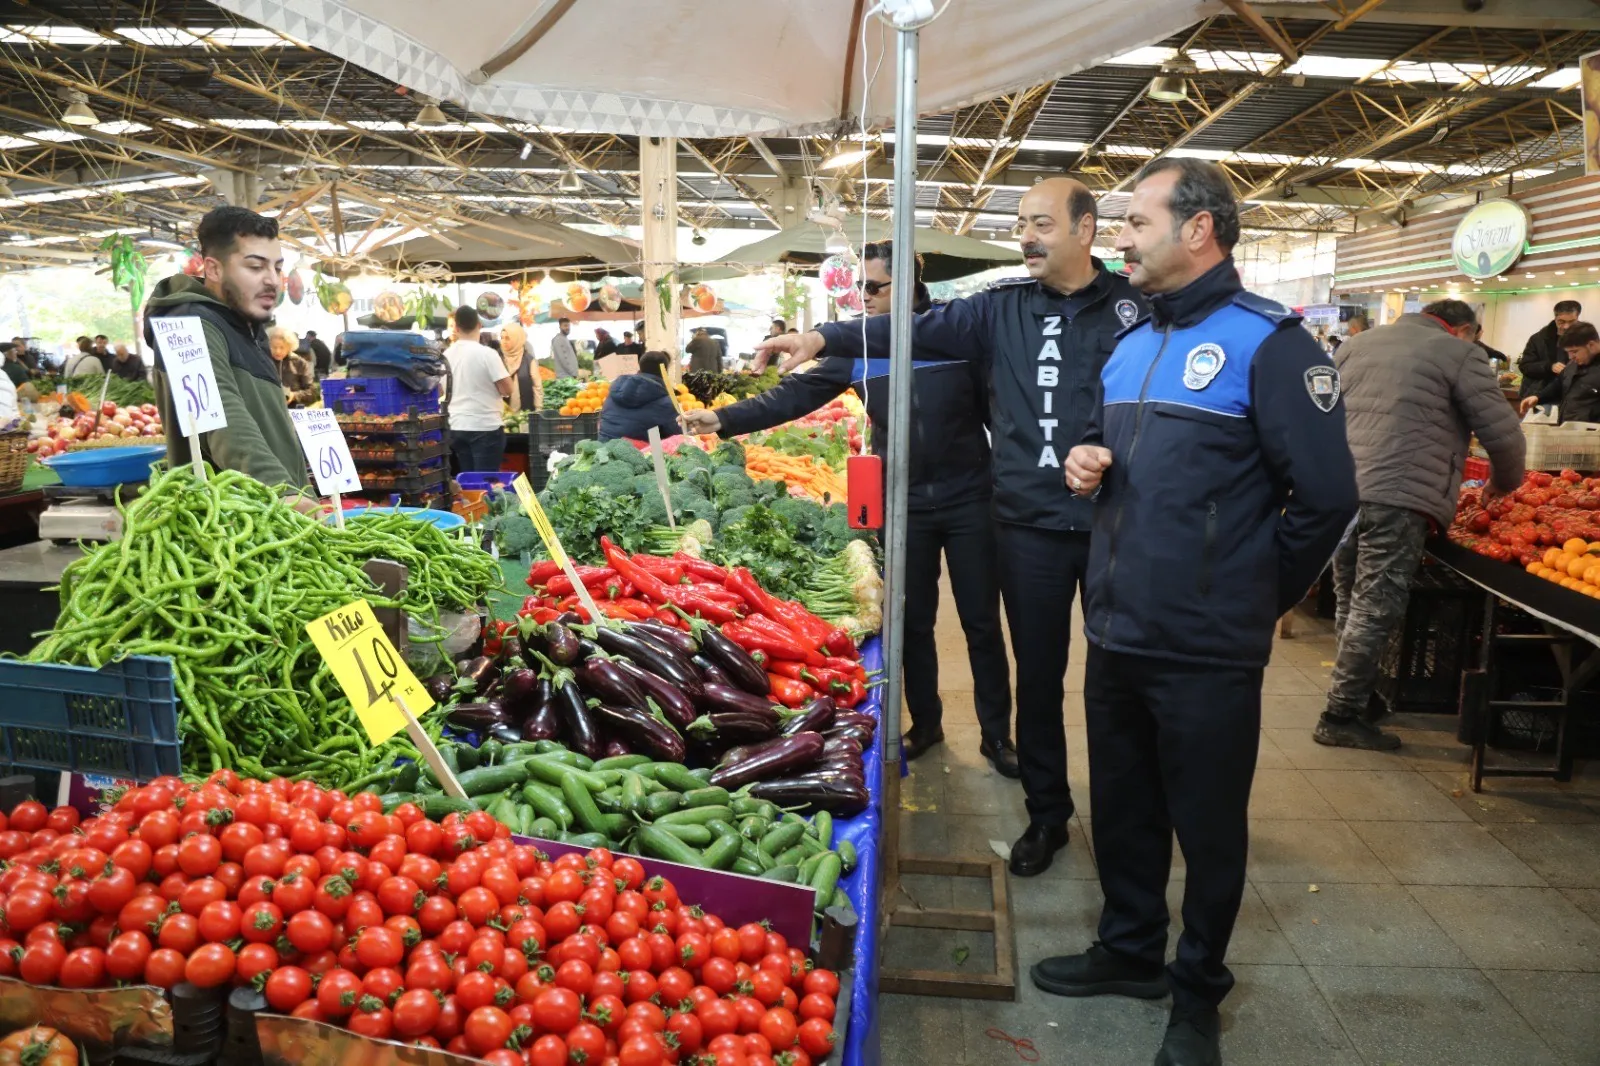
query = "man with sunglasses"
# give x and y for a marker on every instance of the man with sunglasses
(1041, 342)
(949, 504)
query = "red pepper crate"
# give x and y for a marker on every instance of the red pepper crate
(1476, 469)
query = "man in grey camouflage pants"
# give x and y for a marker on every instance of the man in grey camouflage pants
(1415, 391)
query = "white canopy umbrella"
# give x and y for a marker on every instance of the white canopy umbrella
(711, 68)
(482, 248)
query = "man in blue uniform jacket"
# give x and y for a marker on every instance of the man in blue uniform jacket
(1041, 341)
(1222, 483)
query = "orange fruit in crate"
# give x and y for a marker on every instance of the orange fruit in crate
(1578, 565)
(1534, 567)
(1576, 546)
(1549, 557)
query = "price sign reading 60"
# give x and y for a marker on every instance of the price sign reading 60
(187, 362)
(326, 450)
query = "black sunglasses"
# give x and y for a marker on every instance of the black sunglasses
(872, 288)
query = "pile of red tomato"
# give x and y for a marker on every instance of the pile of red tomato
(444, 934)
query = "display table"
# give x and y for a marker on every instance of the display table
(865, 831)
(19, 509)
(1569, 628)
(25, 607)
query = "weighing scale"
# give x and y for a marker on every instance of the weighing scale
(87, 513)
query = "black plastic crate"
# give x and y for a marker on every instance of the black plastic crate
(397, 451)
(553, 432)
(409, 425)
(1421, 669)
(121, 719)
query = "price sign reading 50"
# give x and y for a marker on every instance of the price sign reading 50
(326, 450)
(187, 363)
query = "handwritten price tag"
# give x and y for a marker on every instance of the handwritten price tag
(369, 669)
(182, 341)
(326, 450)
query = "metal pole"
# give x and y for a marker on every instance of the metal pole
(904, 294)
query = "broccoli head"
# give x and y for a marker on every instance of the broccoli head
(585, 454)
(652, 510)
(732, 488)
(728, 453)
(570, 478)
(645, 485)
(733, 515)
(805, 516)
(688, 459)
(621, 451)
(767, 491)
(615, 478)
(700, 480)
(690, 505)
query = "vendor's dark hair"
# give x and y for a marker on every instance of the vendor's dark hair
(1579, 334)
(467, 319)
(884, 251)
(1568, 307)
(653, 363)
(1201, 186)
(222, 227)
(1453, 313)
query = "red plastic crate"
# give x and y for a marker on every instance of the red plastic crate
(1476, 469)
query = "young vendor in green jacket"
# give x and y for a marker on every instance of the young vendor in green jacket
(234, 302)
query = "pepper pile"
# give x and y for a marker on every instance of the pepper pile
(443, 934)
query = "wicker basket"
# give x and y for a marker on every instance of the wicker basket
(13, 459)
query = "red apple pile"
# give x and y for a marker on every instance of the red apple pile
(115, 423)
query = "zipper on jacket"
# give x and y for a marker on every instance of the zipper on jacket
(1207, 547)
(1133, 446)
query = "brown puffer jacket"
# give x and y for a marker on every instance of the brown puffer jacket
(1414, 395)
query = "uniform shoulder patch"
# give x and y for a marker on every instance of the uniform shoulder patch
(1322, 385)
(1268, 309)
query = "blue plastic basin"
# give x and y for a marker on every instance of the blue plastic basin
(99, 467)
(442, 519)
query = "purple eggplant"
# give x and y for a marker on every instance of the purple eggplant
(833, 746)
(856, 718)
(783, 756)
(722, 698)
(479, 716)
(577, 724)
(543, 724)
(643, 730)
(441, 687)
(506, 734)
(735, 661)
(735, 727)
(561, 644)
(511, 648)
(617, 746)
(662, 633)
(605, 679)
(662, 663)
(849, 765)
(481, 672)
(852, 732)
(519, 687)
(827, 793)
(677, 706)
(711, 673)
(815, 716)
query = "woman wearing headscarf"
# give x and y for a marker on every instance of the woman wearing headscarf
(527, 392)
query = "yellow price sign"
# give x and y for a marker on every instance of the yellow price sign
(369, 669)
(552, 544)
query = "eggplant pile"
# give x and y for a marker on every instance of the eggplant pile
(646, 688)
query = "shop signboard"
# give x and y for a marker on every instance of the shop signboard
(1490, 238)
(1589, 79)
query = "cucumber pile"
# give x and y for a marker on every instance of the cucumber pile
(631, 803)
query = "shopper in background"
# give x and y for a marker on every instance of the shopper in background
(1497, 359)
(562, 351)
(1041, 341)
(527, 391)
(636, 402)
(234, 300)
(102, 349)
(629, 346)
(294, 370)
(86, 361)
(1218, 452)
(948, 503)
(1542, 358)
(778, 328)
(1357, 325)
(317, 350)
(1415, 391)
(479, 385)
(1577, 389)
(16, 371)
(705, 354)
(603, 343)
(126, 365)
(25, 355)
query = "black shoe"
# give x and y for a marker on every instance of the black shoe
(1002, 755)
(1036, 849)
(1353, 733)
(914, 743)
(1099, 972)
(1194, 1038)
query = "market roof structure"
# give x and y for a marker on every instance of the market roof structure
(1320, 111)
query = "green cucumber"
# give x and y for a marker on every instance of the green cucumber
(706, 797)
(695, 816)
(793, 857)
(660, 844)
(675, 776)
(493, 778)
(406, 779)
(749, 851)
(723, 852)
(615, 826)
(787, 874)
(609, 800)
(694, 835)
(745, 806)
(554, 773)
(822, 824)
(742, 865)
(782, 838)
(809, 866)
(753, 826)
(582, 804)
(620, 762)
(489, 751)
(584, 840)
(661, 803)
(391, 800)
(543, 828)
(632, 792)
(825, 878)
(466, 757)
(720, 828)
(847, 855)
(548, 803)
(438, 805)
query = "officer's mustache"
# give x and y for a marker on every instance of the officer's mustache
(1033, 249)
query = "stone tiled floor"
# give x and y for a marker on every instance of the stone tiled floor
(1393, 917)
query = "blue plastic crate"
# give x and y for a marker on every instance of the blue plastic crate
(377, 396)
(483, 481)
(121, 719)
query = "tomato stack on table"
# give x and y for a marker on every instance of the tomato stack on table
(444, 934)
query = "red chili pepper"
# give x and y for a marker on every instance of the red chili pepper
(762, 623)
(541, 572)
(760, 658)
(847, 667)
(794, 671)
(542, 615)
(776, 647)
(640, 608)
(789, 692)
(671, 618)
(593, 577)
(531, 603)
(691, 602)
(743, 582)
(667, 570)
(813, 630)
(833, 681)
(839, 643)
(700, 568)
(643, 580)
(715, 592)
